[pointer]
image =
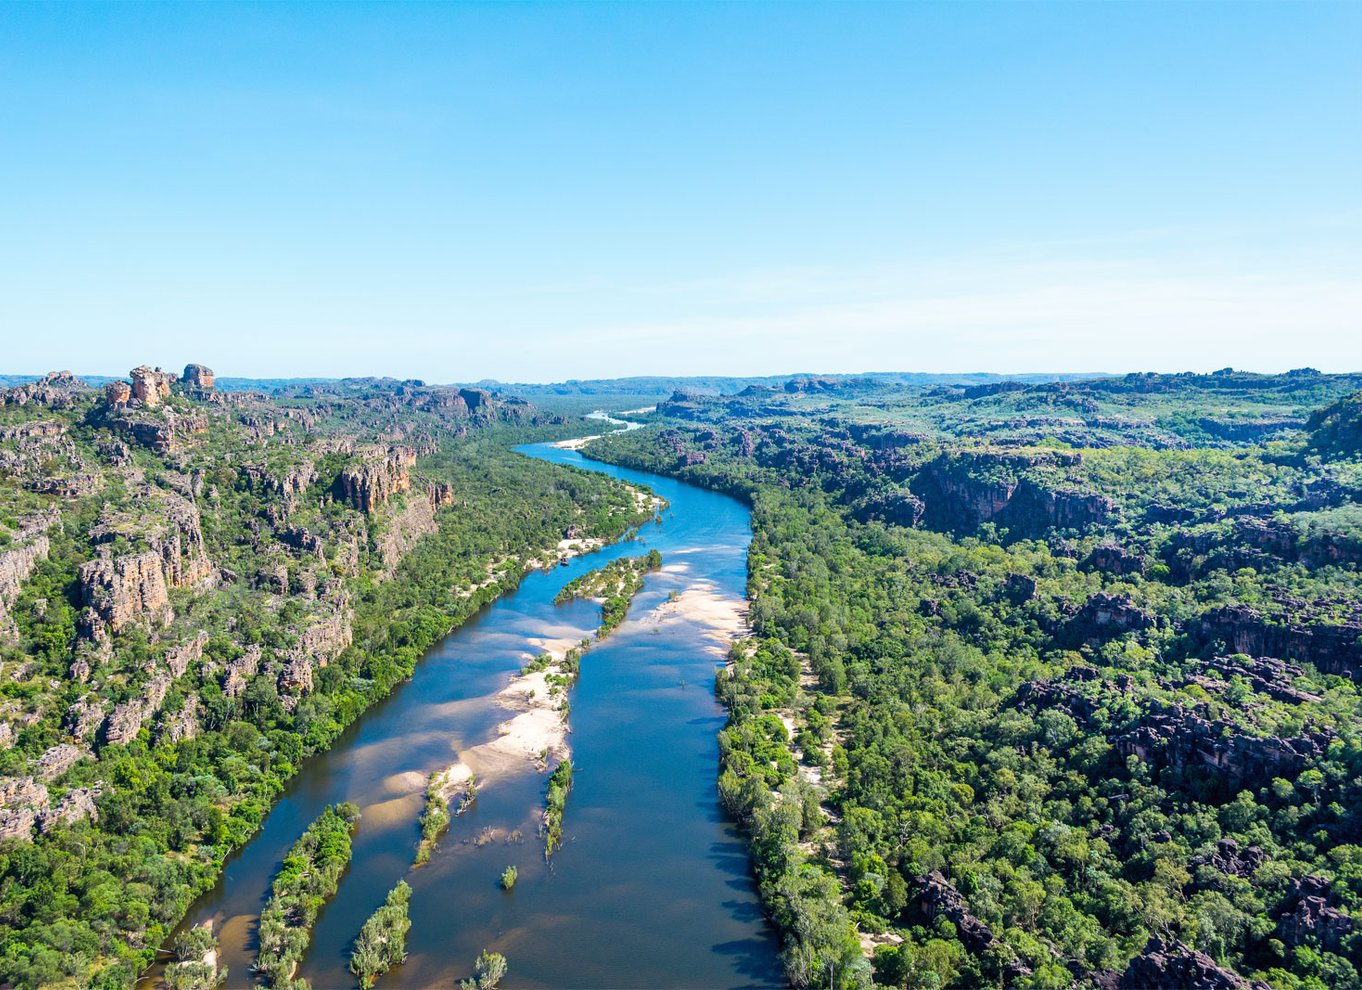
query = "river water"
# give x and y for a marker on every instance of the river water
(651, 887)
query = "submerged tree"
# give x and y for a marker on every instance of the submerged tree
(488, 971)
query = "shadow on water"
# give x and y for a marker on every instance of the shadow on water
(652, 887)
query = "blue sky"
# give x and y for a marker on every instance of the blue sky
(535, 192)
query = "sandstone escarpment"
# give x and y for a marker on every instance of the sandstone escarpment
(964, 491)
(240, 671)
(127, 719)
(121, 588)
(165, 431)
(55, 390)
(379, 476)
(118, 591)
(320, 642)
(1334, 648)
(289, 482)
(404, 529)
(18, 561)
(22, 800)
(181, 725)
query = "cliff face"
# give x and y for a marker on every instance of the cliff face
(963, 491)
(122, 588)
(377, 478)
(164, 431)
(1336, 430)
(18, 561)
(1332, 647)
(289, 482)
(405, 528)
(324, 638)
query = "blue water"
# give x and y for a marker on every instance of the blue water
(651, 887)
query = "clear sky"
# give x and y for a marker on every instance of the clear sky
(534, 192)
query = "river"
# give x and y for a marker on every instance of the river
(651, 887)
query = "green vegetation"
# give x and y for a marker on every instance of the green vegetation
(1088, 683)
(614, 585)
(193, 968)
(560, 784)
(293, 609)
(382, 942)
(509, 877)
(488, 971)
(434, 817)
(308, 879)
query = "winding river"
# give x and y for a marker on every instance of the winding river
(651, 887)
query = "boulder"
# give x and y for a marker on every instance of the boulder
(117, 394)
(1175, 966)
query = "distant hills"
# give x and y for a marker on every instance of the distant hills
(731, 385)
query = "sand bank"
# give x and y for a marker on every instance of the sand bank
(722, 619)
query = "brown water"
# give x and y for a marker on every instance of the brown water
(651, 887)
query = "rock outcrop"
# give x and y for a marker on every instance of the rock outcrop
(150, 386)
(1312, 912)
(121, 589)
(56, 761)
(1334, 648)
(55, 390)
(963, 491)
(127, 719)
(28, 548)
(1175, 736)
(181, 725)
(937, 897)
(1174, 966)
(320, 642)
(1104, 616)
(240, 671)
(118, 591)
(1228, 857)
(379, 476)
(198, 377)
(163, 430)
(290, 482)
(117, 394)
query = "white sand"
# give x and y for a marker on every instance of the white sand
(720, 618)
(576, 443)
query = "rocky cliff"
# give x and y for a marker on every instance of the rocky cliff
(122, 587)
(28, 547)
(962, 491)
(378, 476)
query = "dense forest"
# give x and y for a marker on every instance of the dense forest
(1051, 685)
(200, 588)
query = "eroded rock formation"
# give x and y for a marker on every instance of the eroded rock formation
(150, 386)
(122, 588)
(198, 377)
(379, 476)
